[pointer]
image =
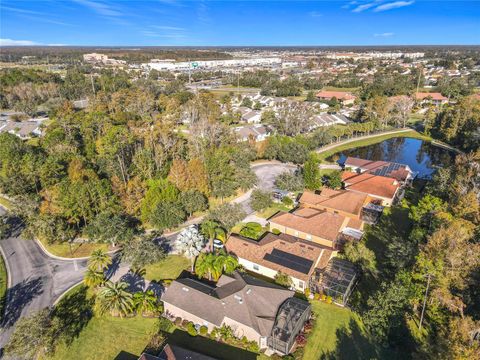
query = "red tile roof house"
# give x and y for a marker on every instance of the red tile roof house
(382, 188)
(261, 311)
(280, 253)
(346, 98)
(434, 97)
(401, 172)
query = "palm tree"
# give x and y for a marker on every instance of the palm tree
(93, 278)
(212, 229)
(204, 264)
(115, 299)
(99, 260)
(146, 302)
(230, 263)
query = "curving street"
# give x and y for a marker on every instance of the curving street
(36, 280)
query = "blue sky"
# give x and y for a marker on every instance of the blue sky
(216, 23)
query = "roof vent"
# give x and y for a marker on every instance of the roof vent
(185, 289)
(249, 291)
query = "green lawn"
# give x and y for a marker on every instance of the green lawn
(3, 284)
(5, 203)
(169, 268)
(77, 250)
(365, 142)
(338, 334)
(268, 212)
(107, 338)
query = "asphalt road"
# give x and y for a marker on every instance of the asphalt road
(36, 281)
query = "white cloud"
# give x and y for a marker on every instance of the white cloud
(392, 5)
(385, 34)
(366, 6)
(315, 14)
(100, 7)
(11, 42)
(172, 28)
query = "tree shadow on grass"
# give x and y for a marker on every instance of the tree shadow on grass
(18, 297)
(209, 347)
(73, 313)
(353, 343)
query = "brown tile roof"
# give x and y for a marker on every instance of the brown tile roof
(342, 200)
(311, 221)
(340, 95)
(255, 251)
(433, 95)
(371, 184)
(245, 299)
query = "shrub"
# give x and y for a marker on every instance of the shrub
(203, 330)
(251, 230)
(253, 347)
(301, 340)
(308, 326)
(178, 321)
(287, 201)
(185, 323)
(214, 334)
(167, 283)
(276, 231)
(191, 329)
(164, 324)
(323, 297)
(316, 296)
(283, 279)
(307, 292)
(329, 300)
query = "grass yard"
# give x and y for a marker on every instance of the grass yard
(77, 250)
(268, 212)
(5, 202)
(365, 142)
(169, 268)
(3, 284)
(338, 334)
(107, 338)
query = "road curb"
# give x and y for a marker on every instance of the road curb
(49, 254)
(7, 267)
(62, 295)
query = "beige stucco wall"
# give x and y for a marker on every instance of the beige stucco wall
(270, 273)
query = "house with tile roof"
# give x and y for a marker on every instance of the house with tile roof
(260, 311)
(282, 253)
(434, 97)
(383, 188)
(346, 98)
(344, 202)
(318, 226)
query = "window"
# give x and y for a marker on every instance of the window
(256, 267)
(301, 284)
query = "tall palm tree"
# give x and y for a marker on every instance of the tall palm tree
(115, 299)
(230, 263)
(99, 260)
(146, 302)
(212, 229)
(204, 264)
(93, 278)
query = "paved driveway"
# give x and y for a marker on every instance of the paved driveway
(36, 281)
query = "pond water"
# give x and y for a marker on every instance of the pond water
(420, 155)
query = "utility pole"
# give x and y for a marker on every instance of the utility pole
(93, 86)
(424, 303)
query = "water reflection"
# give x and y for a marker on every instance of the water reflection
(421, 156)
